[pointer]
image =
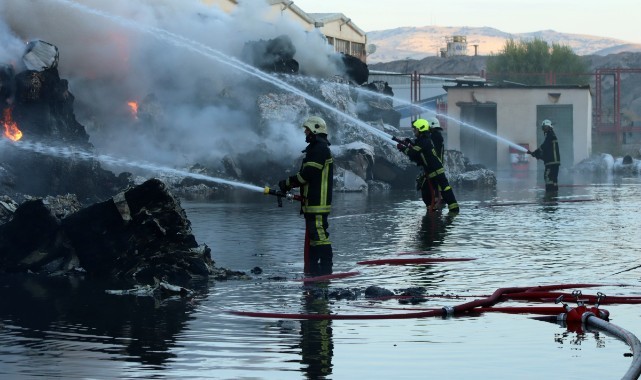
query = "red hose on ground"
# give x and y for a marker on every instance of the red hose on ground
(327, 277)
(498, 295)
(551, 296)
(416, 260)
(541, 310)
(446, 311)
(538, 203)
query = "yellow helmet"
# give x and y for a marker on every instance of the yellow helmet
(422, 125)
(315, 124)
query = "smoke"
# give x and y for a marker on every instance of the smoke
(191, 108)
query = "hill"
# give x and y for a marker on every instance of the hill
(421, 42)
(630, 85)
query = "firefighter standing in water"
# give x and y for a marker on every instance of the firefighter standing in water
(315, 178)
(439, 147)
(549, 153)
(422, 152)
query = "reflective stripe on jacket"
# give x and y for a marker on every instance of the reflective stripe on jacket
(316, 177)
(549, 150)
(424, 154)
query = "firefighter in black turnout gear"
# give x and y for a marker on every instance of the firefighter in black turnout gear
(315, 178)
(439, 148)
(422, 152)
(549, 153)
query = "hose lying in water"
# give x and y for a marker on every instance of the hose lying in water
(547, 296)
(443, 312)
(634, 371)
(580, 316)
(543, 203)
(499, 295)
(328, 277)
(415, 260)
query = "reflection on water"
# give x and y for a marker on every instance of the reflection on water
(70, 328)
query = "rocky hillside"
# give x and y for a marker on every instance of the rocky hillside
(420, 42)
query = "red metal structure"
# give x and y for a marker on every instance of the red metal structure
(602, 124)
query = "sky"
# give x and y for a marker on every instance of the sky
(613, 18)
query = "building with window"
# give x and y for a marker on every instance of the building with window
(338, 29)
(484, 120)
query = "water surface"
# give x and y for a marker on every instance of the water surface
(62, 328)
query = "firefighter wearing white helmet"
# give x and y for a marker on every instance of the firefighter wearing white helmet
(439, 147)
(315, 179)
(437, 137)
(549, 153)
(432, 178)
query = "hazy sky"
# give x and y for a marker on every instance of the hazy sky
(614, 18)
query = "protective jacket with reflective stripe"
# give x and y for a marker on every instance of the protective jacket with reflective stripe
(424, 154)
(315, 177)
(549, 150)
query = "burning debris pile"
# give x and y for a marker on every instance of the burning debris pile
(272, 56)
(37, 107)
(141, 234)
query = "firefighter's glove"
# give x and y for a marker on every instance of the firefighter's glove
(401, 147)
(282, 184)
(407, 141)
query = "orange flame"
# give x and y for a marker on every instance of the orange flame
(134, 108)
(10, 127)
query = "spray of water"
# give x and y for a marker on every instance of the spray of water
(462, 123)
(209, 52)
(71, 152)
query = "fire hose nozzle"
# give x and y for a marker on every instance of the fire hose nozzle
(266, 191)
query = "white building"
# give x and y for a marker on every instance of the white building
(514, 115)
(338, 29)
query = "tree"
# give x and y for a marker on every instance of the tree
(536, 63)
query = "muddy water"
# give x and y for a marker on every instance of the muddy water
(72, 329)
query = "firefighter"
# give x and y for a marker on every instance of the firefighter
(439, 147)
(315, 179)
(549, 153)
(422, 152)
(437, 138)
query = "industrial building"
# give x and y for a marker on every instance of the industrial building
(477, 113)
(338, 29)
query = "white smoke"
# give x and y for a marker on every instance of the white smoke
(109, 62)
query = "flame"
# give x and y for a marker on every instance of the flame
(11, 130)
(134, 108)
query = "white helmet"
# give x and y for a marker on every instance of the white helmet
(434, 123)
(546, 123)
(316, 125)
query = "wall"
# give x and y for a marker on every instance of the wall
(516, 114)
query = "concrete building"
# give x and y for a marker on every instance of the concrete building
(342, 33)
(514, 114)
(338, 29)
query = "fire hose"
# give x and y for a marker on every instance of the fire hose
(588, 316)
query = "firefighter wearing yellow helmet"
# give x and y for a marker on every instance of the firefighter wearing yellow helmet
(315, 179)
(433, 178)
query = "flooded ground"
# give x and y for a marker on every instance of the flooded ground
(57, 328)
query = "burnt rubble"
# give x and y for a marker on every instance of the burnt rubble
(274, 56)
(38, 102)
(140, 235)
